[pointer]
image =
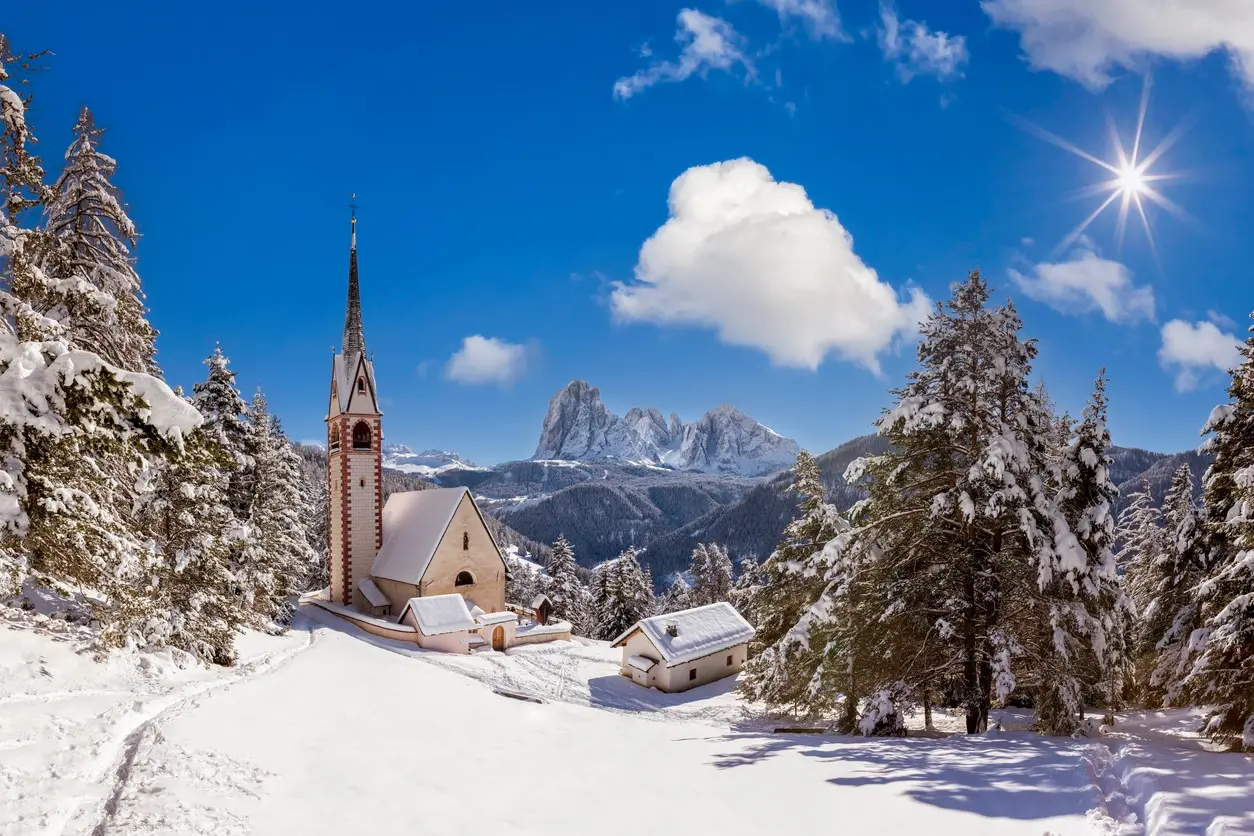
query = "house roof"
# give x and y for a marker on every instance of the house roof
(540, 599)
(414, 523)
(373, 594)
(440, 614)
(700, 631)
(497, 618)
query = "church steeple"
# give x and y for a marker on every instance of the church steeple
(354, 338)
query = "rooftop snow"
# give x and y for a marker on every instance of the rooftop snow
(700, 632)
(414, 522)
(497, 617)
(373, 594)
(440, 614)
(640, 663)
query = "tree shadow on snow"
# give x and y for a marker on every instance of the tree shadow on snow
(1011, 777)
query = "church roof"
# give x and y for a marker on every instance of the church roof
(373, 594)
(414, 523)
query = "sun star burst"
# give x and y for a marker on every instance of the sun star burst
(1132, 181)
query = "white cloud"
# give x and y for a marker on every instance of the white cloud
(755, 260)
(1221, 320)
(708, 43)
(918, 50)
(487, 360)
(820, 17)
(1088, 282)
(1087, 39)
(1190, 348)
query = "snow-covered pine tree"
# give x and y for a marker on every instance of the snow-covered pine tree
(277, 560)
(569, 597)
(220, 403)
(711, 572)
(677, 597)
(520, 582)
(788, 584)
(1081, 640)
(1140, 535)
(1172, 613)
(1222, 674)
(631, 599)
(601, 592)
(97, 295)
(316, 528)
(957, 519)
(199, 610)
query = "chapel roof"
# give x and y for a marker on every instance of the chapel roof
(414, 523)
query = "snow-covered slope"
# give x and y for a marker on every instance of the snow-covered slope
(579, 427)
(428, 463)
(330, 731)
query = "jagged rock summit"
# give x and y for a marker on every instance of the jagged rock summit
(578, 427)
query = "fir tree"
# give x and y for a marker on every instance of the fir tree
(677, 597)
(601, 590)
(711, 572)
(98, 297)
(1222, 673)
(562, 586)
(226, 424)
(630, 600)
(1172, 612)
(1140, 532)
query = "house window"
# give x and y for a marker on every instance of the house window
(361, 385)
(464, 579)
(729, 661)
(361, 436)
(465, 541)
(692, 674)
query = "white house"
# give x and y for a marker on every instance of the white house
(443, 622)
(684, 649)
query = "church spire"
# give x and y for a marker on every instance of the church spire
(354, 339)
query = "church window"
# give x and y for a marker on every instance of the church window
(361, 436)
(465, 541)
(464, 579)
(361, 385)
(363, 481)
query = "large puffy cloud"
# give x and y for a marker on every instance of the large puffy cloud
(487, 360)
(708, 43)
(758, 262)
(1190, 348)
(1086, 39)
(917, 49)
(1088, 282)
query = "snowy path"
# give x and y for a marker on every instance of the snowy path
(65, 752)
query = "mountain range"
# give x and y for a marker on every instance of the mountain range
(607, 482)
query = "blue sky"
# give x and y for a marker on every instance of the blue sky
(511, 160)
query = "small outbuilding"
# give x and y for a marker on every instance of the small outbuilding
(681, 650)
(377, 604)
(443, 622)
(542, 607)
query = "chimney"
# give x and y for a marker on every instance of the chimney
(672, 629)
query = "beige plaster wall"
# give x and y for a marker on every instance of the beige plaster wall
(482, 560)
(538, 639)
(458, 642)
(398, 593)
(709, 669)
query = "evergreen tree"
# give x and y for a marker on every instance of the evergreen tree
(569, 597)
(1140, 532)
(788, 585)
(630, 599)
(711, 572)
(98, 297)
(602, 589)
(226, 424)
(277, 560)
(678, 596)
(1172, 613)
(1222, 674)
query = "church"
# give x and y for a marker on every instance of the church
(423, 565)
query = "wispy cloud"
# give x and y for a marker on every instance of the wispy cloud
(706, 43)
(916, 50)
(820, 18)
(1087, 282)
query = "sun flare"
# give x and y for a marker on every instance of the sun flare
(1132, 182)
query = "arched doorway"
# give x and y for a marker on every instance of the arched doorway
(498, 638)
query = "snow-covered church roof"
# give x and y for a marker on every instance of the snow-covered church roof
(699, 632)
(414, 523)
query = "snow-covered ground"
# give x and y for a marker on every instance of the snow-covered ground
(330, 731)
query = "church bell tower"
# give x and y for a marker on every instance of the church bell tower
(354, 454)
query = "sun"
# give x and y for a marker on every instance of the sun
(1132, 180)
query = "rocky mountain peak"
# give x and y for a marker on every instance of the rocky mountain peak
(578, 427)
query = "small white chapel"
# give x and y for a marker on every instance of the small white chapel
(423, 566)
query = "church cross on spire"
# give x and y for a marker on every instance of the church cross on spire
(354, 339)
